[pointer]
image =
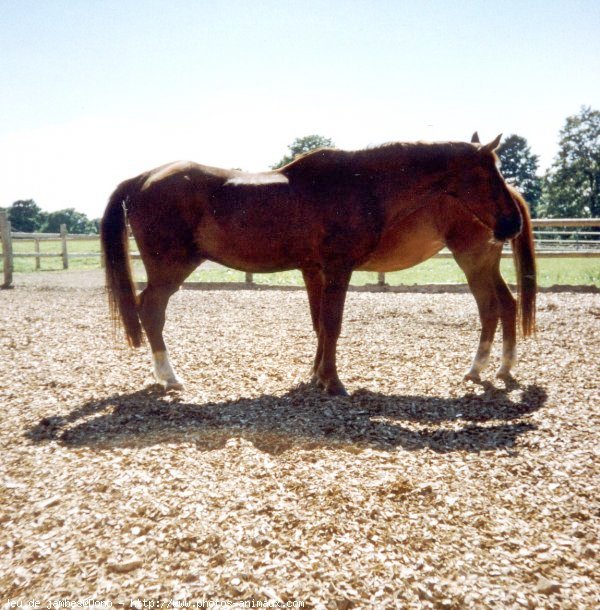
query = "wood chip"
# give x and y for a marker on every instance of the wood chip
(547, 587)
(127, 565)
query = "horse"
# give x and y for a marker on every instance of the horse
(327, 213)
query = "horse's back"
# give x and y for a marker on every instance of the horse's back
(181, 175)
(257, 222)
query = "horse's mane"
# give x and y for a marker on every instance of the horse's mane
(391, 153)
(415, 151)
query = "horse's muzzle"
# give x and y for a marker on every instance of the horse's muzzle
(508, 227)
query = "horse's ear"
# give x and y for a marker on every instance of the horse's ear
(475, 138)
(491, 147)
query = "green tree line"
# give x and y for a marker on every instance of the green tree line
(26, 215)
(570, 188)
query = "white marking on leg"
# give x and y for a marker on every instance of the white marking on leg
(509, 358)
(480, 360)
(164, 373)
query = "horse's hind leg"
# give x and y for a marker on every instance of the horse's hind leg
(508, 314)
(152, 309)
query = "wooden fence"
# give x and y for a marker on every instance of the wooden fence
(573, 240)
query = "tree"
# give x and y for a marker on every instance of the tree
(95, 225)
(26, 215)
(519, 167)
(76, 222)
(303, 145)
(572, 185)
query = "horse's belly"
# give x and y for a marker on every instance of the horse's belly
(401, 250)
(399, 260)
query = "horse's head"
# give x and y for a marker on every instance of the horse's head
(479, 185)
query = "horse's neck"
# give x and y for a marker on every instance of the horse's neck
(402, 189)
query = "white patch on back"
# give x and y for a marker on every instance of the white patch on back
(257, 179)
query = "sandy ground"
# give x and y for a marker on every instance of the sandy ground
(417, 491)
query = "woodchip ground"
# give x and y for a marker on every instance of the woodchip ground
(417, 491)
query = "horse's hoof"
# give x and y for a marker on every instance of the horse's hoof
(336, 389)
(471, 376)
(505, 376)
(318, 383)
(174, 385)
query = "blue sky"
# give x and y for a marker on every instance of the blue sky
(94, 92)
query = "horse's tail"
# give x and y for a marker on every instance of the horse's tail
(525, 265)
(122, 300)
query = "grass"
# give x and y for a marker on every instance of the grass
(551, 271)
(577, 271)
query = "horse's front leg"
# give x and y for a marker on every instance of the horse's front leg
(508, 315)
(331, 314)
(480, 266)
(314, 282)
(487, 303)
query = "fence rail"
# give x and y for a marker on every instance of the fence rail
(54, 236)
(570, 243)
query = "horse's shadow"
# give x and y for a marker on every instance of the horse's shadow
(303, 417)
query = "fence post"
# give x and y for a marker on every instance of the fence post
(63, 239)
(36, 243)
(7, 251)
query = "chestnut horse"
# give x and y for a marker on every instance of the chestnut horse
(326, 213)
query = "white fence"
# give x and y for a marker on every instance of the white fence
(558, 237)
